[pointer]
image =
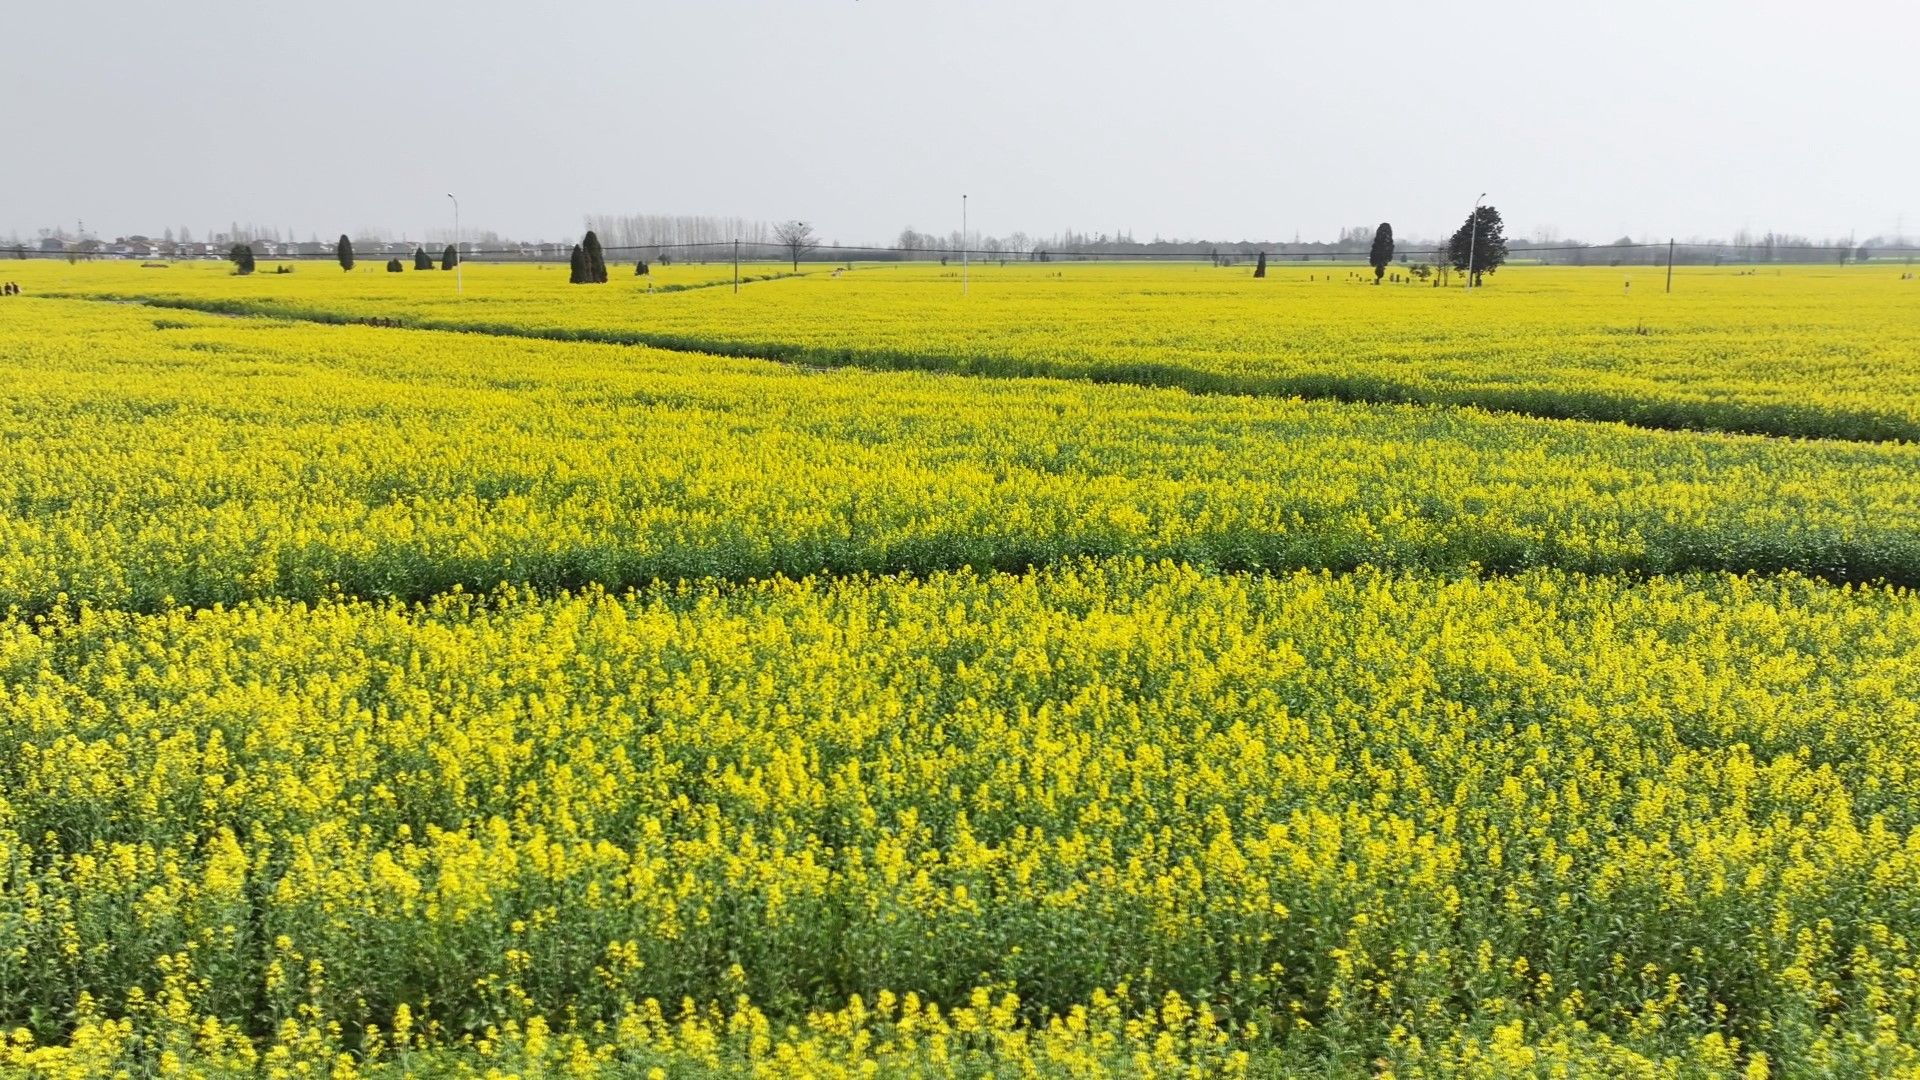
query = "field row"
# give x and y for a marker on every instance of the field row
(148, 459)
(1364, 813)
(1801, 351)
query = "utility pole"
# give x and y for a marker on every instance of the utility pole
(963, 245)
(1473, 237)
(1669, 264)
(736, 266)
(459, 257)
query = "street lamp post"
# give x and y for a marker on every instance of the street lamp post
(1473, 237)
(459, 262)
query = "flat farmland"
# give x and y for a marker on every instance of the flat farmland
(1111, 671)
(1818, 352)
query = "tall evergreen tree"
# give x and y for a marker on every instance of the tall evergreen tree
(344, 252)
(1382, 251)
(1260, 268)
(596, 259)
(1481, 238)
(422, 260)
(449, 258)
(577, 273)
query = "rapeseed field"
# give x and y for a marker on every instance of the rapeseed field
(1796, 351)
(382, 702)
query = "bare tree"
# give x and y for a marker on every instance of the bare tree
(797, 237)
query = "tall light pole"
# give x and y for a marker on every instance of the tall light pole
(1473, 237)
(459, 262)
(963, 245)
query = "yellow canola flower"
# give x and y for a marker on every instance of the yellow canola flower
(1790, 350)
(186, 460)
(333, 741)
(1272, 802)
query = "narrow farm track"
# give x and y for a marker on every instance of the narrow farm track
(1782, 422)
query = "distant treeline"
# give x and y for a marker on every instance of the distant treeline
(678, 230)
(669, 238)
(1353, 244)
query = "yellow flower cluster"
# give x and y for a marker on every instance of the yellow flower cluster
(1805, 351)
(1393, 811)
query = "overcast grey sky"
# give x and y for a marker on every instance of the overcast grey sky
(1178, 119)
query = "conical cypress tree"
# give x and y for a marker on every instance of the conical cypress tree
(1382, 251)
(449, 258)
(1260, 269)
(596, 259)
(422, 260)
(344, 252)
(577, 267)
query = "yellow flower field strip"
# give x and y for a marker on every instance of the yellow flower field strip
(1371, 810)
(1801, 351)
(148, 460)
